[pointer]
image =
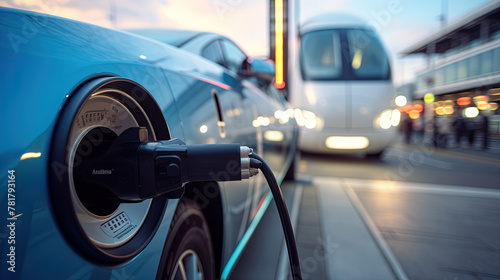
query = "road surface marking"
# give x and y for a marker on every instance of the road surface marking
(386, 185)
(379, 239)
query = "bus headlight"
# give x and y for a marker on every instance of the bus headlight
(395, 118)
(388, 118)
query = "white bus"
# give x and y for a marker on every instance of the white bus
(342, 74)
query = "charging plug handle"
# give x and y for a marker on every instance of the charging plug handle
(134, 169)
(164, 166)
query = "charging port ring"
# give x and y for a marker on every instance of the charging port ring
(64, 208)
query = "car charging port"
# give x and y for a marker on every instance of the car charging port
(101, 226)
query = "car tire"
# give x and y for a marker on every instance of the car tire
(188, 252)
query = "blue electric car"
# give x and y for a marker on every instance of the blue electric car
(66, 85)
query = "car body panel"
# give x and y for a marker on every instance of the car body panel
(242, 101)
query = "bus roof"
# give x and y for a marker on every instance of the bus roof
(333, 20)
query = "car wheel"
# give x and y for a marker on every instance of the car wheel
(188, 252)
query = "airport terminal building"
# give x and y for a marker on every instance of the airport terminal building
(463, 63)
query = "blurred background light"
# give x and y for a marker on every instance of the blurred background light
(471, 112)
(428, 98)
(273, 135)
(401, 100)
(448, 109)
(464, 101)
(414, 115)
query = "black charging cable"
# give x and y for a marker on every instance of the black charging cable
(293, 256)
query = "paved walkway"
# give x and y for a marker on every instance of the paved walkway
(353, 251)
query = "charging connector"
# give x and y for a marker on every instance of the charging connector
(133, 169)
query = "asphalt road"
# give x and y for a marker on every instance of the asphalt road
(416, 213)
(413, 163)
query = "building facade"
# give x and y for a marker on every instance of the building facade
(463, 66)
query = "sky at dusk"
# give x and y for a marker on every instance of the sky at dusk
(400, 23)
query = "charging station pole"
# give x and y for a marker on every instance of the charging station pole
(278, 40)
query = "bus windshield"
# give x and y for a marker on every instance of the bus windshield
(320, 55)
(343, 54)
